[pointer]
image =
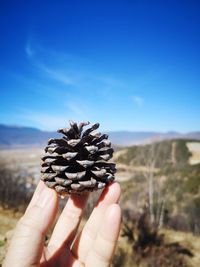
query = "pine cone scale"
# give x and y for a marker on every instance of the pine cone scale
(78, 161)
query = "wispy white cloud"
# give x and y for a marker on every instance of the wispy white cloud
(77, 88)
(58, 75)
(77, 110)
(139, 101)
(29, 49)
(67, 69)
(42, 120)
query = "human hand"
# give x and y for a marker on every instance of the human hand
(93, 247)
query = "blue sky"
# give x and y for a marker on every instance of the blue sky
(130, 65)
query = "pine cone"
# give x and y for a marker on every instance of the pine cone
(77, 162)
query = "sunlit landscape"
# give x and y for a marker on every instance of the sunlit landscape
(130, 66)
(160, 193)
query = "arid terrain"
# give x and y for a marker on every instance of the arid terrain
(178, 174)
(24, 159)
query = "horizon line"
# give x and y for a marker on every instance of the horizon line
(111, 131)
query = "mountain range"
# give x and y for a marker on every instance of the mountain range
(19, 136)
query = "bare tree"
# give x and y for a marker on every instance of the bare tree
(149, 159)
(154, 157)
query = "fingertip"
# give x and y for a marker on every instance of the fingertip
(112, 222)
(113, 212)
(115, 187)
(110, 194)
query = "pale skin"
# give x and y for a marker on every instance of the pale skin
(93, 247)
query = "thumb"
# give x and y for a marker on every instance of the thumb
(28, 240)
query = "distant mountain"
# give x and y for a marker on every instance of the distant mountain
(16, 136)
(126, 138)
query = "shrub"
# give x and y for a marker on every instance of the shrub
(182, 153)
(192, 210)
(13, 190)
(149, 248)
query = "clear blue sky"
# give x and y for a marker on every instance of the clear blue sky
(130, 65)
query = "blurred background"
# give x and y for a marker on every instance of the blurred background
(134, 67)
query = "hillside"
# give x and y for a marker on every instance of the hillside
(175, 152)
(174, 167)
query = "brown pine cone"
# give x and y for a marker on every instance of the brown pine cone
(77, 162)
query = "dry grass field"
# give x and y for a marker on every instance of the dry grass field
(186, 240)
(26, 161)
(8, 220)
(194, 148)
(22, 157)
